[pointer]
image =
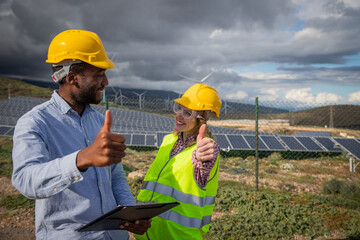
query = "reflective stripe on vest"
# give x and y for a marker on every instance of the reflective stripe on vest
(185, 221)
(176, 194)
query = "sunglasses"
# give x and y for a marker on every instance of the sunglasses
(185, 113)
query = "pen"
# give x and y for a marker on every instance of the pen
(107, 103)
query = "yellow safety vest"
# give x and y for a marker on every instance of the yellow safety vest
(172, 179)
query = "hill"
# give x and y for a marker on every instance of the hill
(333, 116)
(13, 88)
(161, 100)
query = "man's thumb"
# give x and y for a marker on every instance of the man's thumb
(108, 121)
(201, 133)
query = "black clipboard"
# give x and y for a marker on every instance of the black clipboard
(113, 219)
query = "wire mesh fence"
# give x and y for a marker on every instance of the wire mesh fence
(290, 135)
(278, 176)
(291, 129)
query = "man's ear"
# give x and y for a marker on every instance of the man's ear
(72, 78)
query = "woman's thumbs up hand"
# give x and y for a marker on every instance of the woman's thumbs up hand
(204, 146)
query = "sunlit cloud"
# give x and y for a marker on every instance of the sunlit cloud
(239, 95)
(354, 97)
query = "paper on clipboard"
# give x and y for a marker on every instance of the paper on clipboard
(113, 219)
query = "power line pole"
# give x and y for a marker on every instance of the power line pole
(256, 144)
(331, 121)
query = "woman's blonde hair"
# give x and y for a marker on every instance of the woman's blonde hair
(199, 121)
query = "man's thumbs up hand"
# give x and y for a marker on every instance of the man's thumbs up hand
(107, 149)
(204, 146)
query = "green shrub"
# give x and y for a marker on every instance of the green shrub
(346, 189)
(274, 215)
(128, 168)
(274, 158)
(263, 215)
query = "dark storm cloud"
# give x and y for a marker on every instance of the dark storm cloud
(154, 26)
(172, 21)
(155, 41)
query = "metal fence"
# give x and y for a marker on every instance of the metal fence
(244, 130)
(276, 145)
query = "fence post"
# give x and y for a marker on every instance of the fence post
(256, 145)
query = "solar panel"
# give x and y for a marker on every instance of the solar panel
(222, 141)
(11, 132)
(328, 144)
(309, 144)
(160, 137)
(312, 134)
(272, 143)
(238, 142)
(138, 140)
(350, 145)
(4, 130)
(150, 140)
(127, 138)
(292, 143)
(251, 141)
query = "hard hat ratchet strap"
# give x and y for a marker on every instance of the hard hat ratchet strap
(58, 75)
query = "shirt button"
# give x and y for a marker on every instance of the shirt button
(55, 189)
(76, 178)
(104, 207)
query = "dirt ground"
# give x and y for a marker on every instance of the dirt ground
(17, 224)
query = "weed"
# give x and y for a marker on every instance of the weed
(274, 158)
(135, 186)
(128, 168)
(271, 170)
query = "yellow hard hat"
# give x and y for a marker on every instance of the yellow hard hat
(201, 97)
(79, 45)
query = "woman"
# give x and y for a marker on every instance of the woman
(185, 169)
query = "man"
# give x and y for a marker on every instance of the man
(64, 154)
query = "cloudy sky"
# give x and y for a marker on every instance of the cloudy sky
(279, 50)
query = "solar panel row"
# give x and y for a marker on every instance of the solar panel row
(350, 145)
(146, 129)
(265, 143)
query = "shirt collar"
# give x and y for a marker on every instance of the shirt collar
(64, 107)
(188, 139)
